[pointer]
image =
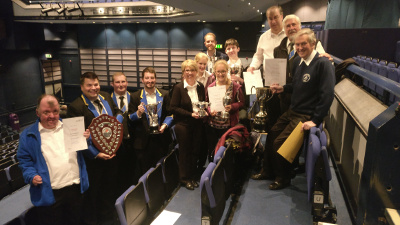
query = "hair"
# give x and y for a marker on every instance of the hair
(292, 16)
(88, 75)
(210, 34)
(223, 62)
(199, 56)
(117, 74)
(310, 34)
(275, 7)
(189, 63)
(149, 70)
(50, 101)
(231, 41)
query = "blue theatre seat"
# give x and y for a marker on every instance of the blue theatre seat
(131, 206)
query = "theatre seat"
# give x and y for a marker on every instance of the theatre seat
(131, 206)
(226, 156)
(15, 177)
(154, 187)
(5, 188)
(170, 169)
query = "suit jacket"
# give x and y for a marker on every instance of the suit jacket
(219, 55)
(141, 125)
(126, 110)
(181, 105)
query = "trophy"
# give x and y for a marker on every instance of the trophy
(153, 117)
(260, 120)
(202, 108)
(235, 70)
(107, 133)
(226, 100)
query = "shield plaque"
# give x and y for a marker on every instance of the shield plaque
(107, 133)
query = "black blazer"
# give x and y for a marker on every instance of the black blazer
(219, 55)
(181, 105)
(79, 108)
(125, 114)
(140, 127)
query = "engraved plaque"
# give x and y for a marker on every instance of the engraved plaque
(106, 134)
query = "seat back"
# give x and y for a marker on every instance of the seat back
(313, 151)
(227, 163)
(5, 188)
(207, 196)
(393, 74)
(136, 209)
(15, 176)
(120, 206)
(170, 169)
(155, 193)
(219, 154)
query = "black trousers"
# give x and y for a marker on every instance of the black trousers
(274, 163)
(66, 210)
(189, 137)
(156, 148)
(126, 160)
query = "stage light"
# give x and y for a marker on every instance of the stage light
(46, 10)
(61, 10)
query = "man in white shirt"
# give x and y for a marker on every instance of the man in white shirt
(58, 178)
(270, 39)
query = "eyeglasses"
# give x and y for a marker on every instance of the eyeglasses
(221, 72)
(188, 71)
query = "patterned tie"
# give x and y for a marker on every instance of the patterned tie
(291, 53)
(121, 103)
(99, 105)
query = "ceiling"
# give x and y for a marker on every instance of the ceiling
(197, 11)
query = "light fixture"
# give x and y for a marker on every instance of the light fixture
(75, 9)
(61, 10)
(46, 10)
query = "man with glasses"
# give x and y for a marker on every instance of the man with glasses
(57, 178)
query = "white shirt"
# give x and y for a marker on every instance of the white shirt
(97, 106)
(265, 47)
(211, 60)
(63, 167)
(192, 92)
(203, 79)
(151, 98)
(308, 60)
(319, 47)
(119, 100)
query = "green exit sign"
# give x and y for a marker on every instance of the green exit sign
(218, 46)
(48, 56)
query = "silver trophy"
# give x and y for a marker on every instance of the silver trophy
(153, 117)
(227, 100)
(202, 108)
(260, 120)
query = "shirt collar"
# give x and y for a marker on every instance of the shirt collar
(309, 59)
(278, 34)
(148, 93)
(186, 85)
(41, 128)
(117, 95)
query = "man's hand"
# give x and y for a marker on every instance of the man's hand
(104, 156)
(140, 110)
(326, 55)
(195, 115)
(250, 69)
(162, 128)
(37, 180)
(86, 134)
(276, 88)
(307, 125)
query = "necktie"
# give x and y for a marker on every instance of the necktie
(291, 53)
(99, 105)
(121, 103)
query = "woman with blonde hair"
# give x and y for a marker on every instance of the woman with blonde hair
(203, 76)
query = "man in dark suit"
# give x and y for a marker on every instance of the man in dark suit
(125, 156)
(100, 197)
(149, 147)
(210, 41)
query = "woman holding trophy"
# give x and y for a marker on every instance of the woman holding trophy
(233, 101)
(185, 107)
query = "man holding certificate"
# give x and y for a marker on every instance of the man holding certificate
(57, 177)
(226, 98)
(312, 91)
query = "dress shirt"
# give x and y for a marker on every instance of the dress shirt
(119, 101)
(265, 47)
(211, 60)
(309, 58)
(63, 166)
(203, 79)
(192, 92)
(151, 97)
(97, 107)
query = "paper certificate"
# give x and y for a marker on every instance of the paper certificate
(73, 134)
(215, 96)
(275, 71)
(252, 80)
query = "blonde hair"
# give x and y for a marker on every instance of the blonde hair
(225, 64)
(210, 34)
(116, 74)
(199, 56)
(191, 64)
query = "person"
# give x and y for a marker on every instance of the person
(100, 198)
(187, 122)
(312, 91)
(57, 178)
(210, 40)
(269, 39)
(217, 124)
(125, 156)
(149, 147)
(285, 50)
(234, 63)
(203, 76)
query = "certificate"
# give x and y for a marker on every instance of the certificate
(292, 145)
(252, 80)
(73, 134)
(215, 96)
(275, 71)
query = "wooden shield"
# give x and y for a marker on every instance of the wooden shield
(107, 133)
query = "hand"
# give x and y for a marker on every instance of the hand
(228, 108)
(86, 134)
(326, 55)
(237, 79)
(307, 125)
(104, 156)
(275, 88)
(162, 128)
(213, 113)
(195, 115)
(37, 180)
(140, 110)
(250, 69)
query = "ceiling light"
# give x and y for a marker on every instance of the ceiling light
(204, 21)
(101, 10)
(46, 10)
(258, 10)
(121, 10)
(249, 3)
(94, 22)
(61, 10)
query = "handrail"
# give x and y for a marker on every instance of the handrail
(383, 82)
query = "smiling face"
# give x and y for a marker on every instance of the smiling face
(221, 72)
(149, 81)
(189, 74)
(210, 42)
(120, 84)
(303, 47)
(202, 64)
(90, 88)
(291, 28)
(232, 51)
(48, 112)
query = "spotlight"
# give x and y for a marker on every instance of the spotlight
(61, 10)
(46, 10)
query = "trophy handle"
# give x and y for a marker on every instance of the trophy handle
(158, 110)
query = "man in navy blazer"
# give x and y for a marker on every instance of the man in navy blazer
(210, 41)
(150, 147)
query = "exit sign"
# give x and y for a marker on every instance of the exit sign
(48, 56)
(218, 46)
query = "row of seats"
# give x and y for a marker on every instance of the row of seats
(140, 203)
(383, 68)
(11, 179)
